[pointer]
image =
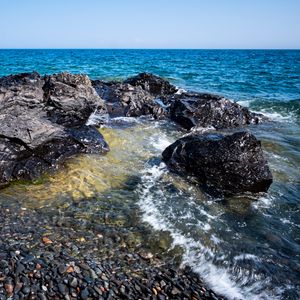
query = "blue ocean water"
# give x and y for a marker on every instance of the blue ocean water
(248, 248)
(238, 74)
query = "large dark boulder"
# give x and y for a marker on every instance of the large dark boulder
(43, 122)
(228, 164)
(155, 85)
(70, 99)
(125, 100)
(203, 110)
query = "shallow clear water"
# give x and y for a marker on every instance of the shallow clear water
(245, 247)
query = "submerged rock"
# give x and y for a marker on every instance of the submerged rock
(228, 164)
(125, 100)
(203, 110)
(43, 122)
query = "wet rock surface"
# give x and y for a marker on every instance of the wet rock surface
(51, 253)
(43, 117)
(70, 99)
(203, 110)
(126, 100)
(43, 122)
(155, 85)
(228, 164)
(52, 256)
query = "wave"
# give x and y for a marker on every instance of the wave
(277, 110)
(196, 253)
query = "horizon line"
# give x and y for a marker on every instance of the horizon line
(149, 48)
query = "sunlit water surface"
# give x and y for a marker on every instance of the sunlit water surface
(245, 247)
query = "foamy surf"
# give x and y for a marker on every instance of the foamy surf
(196, 254)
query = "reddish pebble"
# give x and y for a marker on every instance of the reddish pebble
(70, 269)
(46, 240)
(9, 288)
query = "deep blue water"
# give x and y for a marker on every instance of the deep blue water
(252, 246)
(266, 74)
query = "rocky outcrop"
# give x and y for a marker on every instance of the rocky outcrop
(70, 99)
(43, 122)
(43, 118)
(147, 94)
(155, 85)
(125, 100)
(228, 164)
(137, 96)
(203, 110)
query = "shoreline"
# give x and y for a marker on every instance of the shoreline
(41, 258)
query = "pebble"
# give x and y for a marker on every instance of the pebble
(98, 290)
(44, 288)
(46, 240)
(104, 277)
(26, 290)
(73, 282)
(175, 291)
(70, 269)
(62, 288)
(9, 288)
(62, 269)
(94, 269)
(41, 296)
(84, 294)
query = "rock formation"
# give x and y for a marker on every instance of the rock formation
(228, 164)
(203, 110)
(43, 122)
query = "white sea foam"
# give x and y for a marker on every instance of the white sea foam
(196, 255)
(245, 103)
(96, 118)
(263, 202)
(200, 129)
(276, 116)
(180, 91)
(246, 256)
(161, 103)
(286, 221)
(160, 141)
(125, 120)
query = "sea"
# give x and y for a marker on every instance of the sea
(244, 247)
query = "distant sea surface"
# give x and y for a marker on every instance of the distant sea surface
(245, 248)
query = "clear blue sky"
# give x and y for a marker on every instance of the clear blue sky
(150, 24)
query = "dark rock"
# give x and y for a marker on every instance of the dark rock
(62, 269)
(43, 123)
(26, 290)
(229, 164)
(89, 138)
(125, 100)
(84, 294)
(19, 268)
(41, 296)
(73, 282)
(62, 288)
(70, 99)
(155, 85)
(9, 288)
(203, 110)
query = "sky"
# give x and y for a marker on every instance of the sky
(230, 24)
